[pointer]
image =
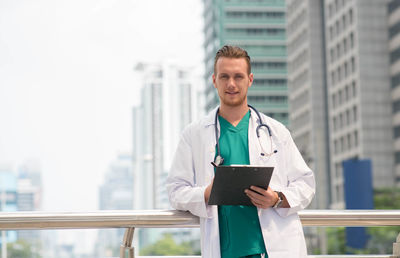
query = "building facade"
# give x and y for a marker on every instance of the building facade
(258, 27)
(168, 104)
(394, 48)
(8, 201)
(308, 111)
(358, 90)
(116, 193)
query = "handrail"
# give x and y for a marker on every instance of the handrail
(175, 219)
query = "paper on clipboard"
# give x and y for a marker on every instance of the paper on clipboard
(231, 181)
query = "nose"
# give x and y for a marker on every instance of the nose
(231, 82)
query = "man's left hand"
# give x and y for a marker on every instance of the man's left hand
(262, 198)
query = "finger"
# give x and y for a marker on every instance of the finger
(258, 205)
(260, 201)
(258, 189)
(256, 196)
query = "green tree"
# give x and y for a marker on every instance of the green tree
(381, 238)
(167, 246)
(20, 249)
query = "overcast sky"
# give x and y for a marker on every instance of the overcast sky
(67, 84)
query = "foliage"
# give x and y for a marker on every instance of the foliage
(20, 249)
(167, 246)
(381, 238)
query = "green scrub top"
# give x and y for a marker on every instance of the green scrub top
(239, 227)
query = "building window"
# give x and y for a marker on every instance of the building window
(397, 157)
(334, 123)
(344, 45)
(347, 117)
(348, 141)
(396, 132)
(393, 5)
(396, 80)
(354, 89)
(396, 106)
(355, 138)
(339, 72)
(353, 65)
(344, 22)
(338, 51)
(347, 92)
(351, 40)
(395, 55)
(334, 101)
(342, 147)
(355, 113)
(337, 27)
(340, 97)
(351, 16)
(332, 55)
(346, 69)
(341, 122)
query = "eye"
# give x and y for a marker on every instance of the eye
(224, 76)
(239, 76)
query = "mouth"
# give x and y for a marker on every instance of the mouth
(231, 93)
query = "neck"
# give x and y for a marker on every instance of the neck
(233, 114)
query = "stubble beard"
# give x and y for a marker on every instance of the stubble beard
(235, 102)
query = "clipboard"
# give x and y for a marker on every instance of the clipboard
(231, 181)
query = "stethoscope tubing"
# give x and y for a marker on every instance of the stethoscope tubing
(218, 159)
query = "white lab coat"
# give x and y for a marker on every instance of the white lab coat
(192, 172)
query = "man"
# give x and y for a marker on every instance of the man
(272, 227)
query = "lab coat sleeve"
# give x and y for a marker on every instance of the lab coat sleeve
(300, 188)
(183, 192)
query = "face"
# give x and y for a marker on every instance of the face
(232, 81)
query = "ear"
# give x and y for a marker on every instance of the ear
(214, 79)
(251, 79)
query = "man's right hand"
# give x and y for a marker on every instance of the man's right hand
(207, 192)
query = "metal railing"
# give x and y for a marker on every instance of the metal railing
(175, 219)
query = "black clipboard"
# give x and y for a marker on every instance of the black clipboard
(231, 181)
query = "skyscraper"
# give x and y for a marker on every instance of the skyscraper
(259, 27)
(8, 200)
(358, 89)
(308, 111)
(168, 104)
(116, 193)
(394, 48)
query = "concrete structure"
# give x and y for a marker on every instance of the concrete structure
(258, 27)
(394, 48)
(116, 193)
(8, 201)
(308, 111)
(29, 198)
(169, 103)
(358, 89)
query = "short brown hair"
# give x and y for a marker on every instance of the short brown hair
(232, 52)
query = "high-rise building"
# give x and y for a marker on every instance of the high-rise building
(394, 48)
(168, 103)
(258, 26)
(308, 111)
(358, 89)
(29, 198)
(8, 200)
(116, 193)
(346, 40)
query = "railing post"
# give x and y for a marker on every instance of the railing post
(396, 248)
(127, 244)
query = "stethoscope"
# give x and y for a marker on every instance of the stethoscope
(219, 160)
